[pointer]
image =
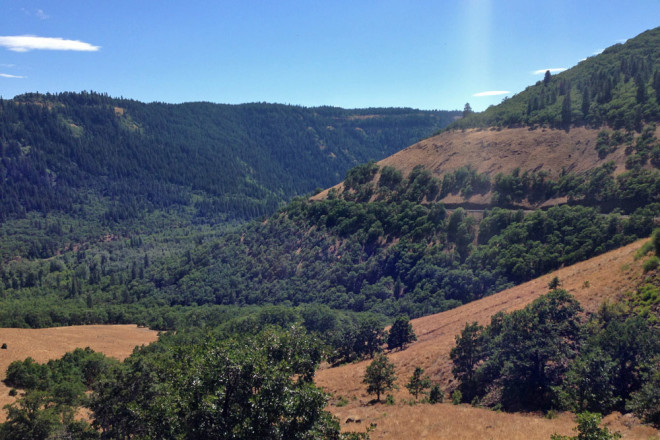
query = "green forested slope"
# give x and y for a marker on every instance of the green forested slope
(397, 255)
(226, 161)
(619, 87)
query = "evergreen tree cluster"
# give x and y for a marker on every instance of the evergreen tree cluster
(58, 152)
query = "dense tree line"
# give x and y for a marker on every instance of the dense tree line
(548, 356)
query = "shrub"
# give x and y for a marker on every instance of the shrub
(456, 397)
(651, 264)
(436, 395)
(588, 429)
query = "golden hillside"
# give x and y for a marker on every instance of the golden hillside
(608, 276)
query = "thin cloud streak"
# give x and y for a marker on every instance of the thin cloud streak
(42, 15)
(553, 70)
(25, 43)
(6, 75)
(492, 93)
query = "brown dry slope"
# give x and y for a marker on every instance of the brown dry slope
(117, 341)
(608, 275)
(494, 151)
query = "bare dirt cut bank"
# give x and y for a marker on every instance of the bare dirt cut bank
(42, 345)
(602, 278)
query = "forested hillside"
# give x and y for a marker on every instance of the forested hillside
(619, 87)
(68, 151)
(396, 255)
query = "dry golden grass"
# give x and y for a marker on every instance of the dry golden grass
(608, 276)
(493, 151)
(116, 341)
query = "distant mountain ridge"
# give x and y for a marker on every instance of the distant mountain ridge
(225, 161)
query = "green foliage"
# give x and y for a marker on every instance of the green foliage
(611, 89)
(76, 370)
(588, 385)
(588, 429)
(645, 403)
(466, 356)
(612, 364)
(436, 395)
(524, 354)
(257, 387)
(456, 397)
(645, 249)
(651, 264)
(655, 239)
(418, 383)
(30, 417)
(554, 283)
(379, 376)
(543, 357)
(401, 334)
(161, 156)
(466, 182)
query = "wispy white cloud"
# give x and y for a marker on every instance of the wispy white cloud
(6, 75)
(492, 93)
(24, 43)
(552, 70)
(41, 14)
(7, 65)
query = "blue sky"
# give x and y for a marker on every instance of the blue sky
(358, 53)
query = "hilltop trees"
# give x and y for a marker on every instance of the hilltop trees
(613, 88)
(467, 110)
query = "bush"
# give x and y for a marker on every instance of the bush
(588, 429)
(456, 397)
(651, 264)
(4, 346)
(436, 395)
